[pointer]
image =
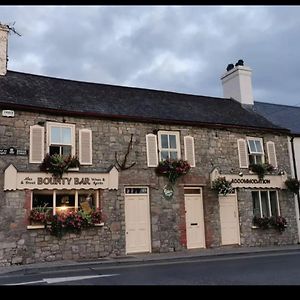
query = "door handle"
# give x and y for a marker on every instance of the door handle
(194, 224)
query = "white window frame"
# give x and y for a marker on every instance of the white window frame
(50, 125)
(256, 153)
(177, 138)
(269, 202)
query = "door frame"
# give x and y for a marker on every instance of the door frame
(220, 198)
(200, 195)
(148, 220)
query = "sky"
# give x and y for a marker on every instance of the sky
(183, 49)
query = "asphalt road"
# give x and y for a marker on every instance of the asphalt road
(254, 269)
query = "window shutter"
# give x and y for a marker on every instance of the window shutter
(151, 143)
(243, 153)
(85, 146)
(189, 150)
(272, 154)
(36, 153)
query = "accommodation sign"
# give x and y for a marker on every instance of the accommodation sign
(14, 180)
(251, 181)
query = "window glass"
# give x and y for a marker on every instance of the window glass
(173, 155)
(273, 201)
(55, 135)
(258, 146)
(136, 191)
(66, 135)
(264, 204)
(164, 141)
(65, 150)
(256, 207)
(252, 146)
(41, 199)
(172, 141)
(54, 150)
(164, 155)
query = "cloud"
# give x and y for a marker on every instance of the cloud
(178, 48)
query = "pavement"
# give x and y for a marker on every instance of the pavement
(152, 257)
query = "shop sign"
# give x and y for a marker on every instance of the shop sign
(8, 113)
(14, 180)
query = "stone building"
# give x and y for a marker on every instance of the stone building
(119, 135)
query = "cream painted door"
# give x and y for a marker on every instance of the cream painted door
(194, 218)
(230, 228)
(137, 220)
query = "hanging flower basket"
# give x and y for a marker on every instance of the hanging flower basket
(261, 169)
(222, 186)
(172, 169)
(58, 164)
(293, 185)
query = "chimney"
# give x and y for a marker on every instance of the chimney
(4, 30)
(237, 83)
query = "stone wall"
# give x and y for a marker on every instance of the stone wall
(213, 148)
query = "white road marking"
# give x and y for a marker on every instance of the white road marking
(63, 279)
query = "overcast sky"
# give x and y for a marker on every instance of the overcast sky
(183, 49)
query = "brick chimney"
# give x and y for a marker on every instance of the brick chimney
(237, 83)
(3, 48)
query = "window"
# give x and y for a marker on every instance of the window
(256, 150)
(63, 200)
(169, 145)
(265, 204)
(61, 138)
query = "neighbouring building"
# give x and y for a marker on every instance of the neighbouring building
(120, 134)
(289, 117)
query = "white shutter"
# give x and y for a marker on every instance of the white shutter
(151, 143)
(272, 154)
(189, 150)
(36, 152)
(243, 153)
(85, 146)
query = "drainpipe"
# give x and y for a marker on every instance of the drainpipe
(295, 171)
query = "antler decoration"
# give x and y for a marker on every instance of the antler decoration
(122, 165)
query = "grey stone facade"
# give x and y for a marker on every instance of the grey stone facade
(213, 148)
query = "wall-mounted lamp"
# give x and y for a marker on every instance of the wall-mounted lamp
(281, 172)
(241, 174)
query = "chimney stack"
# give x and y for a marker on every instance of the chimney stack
(4, 30)
(237, 83)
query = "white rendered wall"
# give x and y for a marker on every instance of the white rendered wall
(3, 49)
(297, 158)
(237, 84)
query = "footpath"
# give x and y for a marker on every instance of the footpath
(152, 257)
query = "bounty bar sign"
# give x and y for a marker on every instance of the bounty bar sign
(14, 180)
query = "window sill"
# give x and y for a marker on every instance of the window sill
(35, 226)
(257, 227)
(99, 224)
(73, 170)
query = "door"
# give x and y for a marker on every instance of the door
(194, 218)
(230, 229)
(137, 220)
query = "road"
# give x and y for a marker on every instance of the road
(246, 269)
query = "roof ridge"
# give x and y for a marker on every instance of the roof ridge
(276, 104)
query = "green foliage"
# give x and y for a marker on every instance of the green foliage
(261, 169)
(72, 221)
(293, 185)
(172, 169)
(58, 164)
(278, 222)
(40, 214)
(222, 186)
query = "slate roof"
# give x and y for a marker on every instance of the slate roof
(55, 95)
(282, 115)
